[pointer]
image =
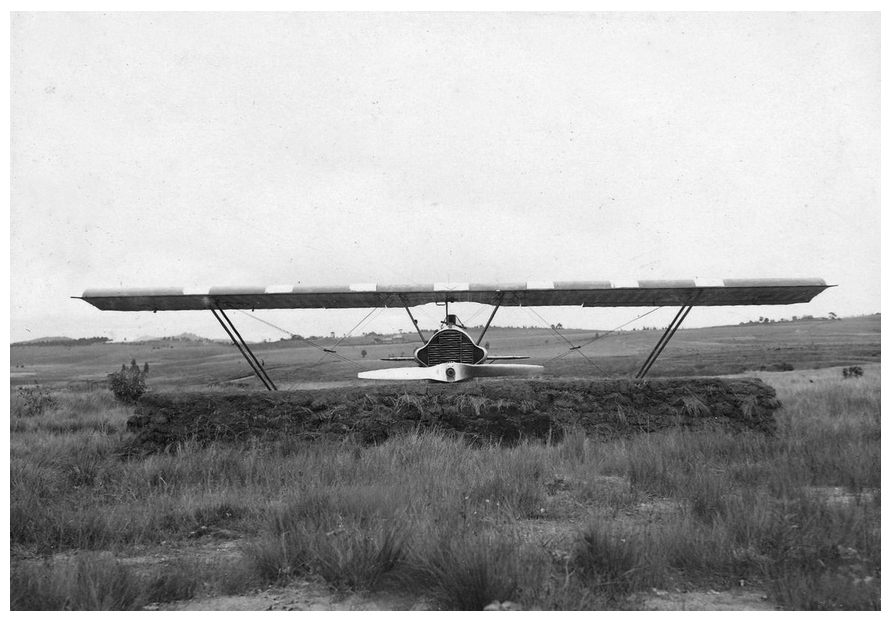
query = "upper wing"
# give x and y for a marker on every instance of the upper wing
(694, 292)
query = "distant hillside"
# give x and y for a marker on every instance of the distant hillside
(61, 341)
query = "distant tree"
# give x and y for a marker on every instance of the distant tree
(832, 316)
(364, 353)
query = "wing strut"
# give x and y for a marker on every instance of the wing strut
(414, 321)
(244, 349)
(661, 344)
(489, 321)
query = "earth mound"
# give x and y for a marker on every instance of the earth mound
(502, 411)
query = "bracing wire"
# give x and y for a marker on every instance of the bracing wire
(603, 335)
(279, 328)
(473, 315)
(567, 341)
(324, 350)
(327, 351)
(360, 323)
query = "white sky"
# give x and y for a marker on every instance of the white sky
(239, 148)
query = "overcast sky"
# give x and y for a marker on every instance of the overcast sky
(305, 148)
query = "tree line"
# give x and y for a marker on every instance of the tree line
(63, 341)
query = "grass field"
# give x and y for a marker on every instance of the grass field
(668, 520)
(295, 364)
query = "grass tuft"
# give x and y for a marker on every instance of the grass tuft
(613, 562)
(349, 541)
(91, 583)
(467, 572)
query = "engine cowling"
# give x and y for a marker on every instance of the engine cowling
(450, 345)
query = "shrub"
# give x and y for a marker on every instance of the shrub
(129, 384)
(34, 401)
(852, 372)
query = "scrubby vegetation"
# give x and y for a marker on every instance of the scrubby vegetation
(577, 524)
(853, 371)
(129, 384)
(34, 400)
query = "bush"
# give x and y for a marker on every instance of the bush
(852, 372)
(129, 384)
(34, 401)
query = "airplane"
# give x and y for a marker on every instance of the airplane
(451, 354)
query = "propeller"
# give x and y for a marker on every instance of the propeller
(451, 372)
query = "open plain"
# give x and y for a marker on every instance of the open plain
(675, 518)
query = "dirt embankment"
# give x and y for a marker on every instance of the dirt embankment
(499, 410)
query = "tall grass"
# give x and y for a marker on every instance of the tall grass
(350, 537)
(798, 513)
(94, 582)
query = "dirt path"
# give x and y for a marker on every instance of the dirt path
(299, 596)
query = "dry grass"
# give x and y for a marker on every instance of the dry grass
(96, 582)
(429, 515)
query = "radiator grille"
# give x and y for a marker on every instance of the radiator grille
(450, 346)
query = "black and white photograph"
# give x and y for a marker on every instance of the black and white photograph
(444, 310)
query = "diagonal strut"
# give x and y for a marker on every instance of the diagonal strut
(244, 349)
(661, 344)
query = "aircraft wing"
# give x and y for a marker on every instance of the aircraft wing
(646, 293)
